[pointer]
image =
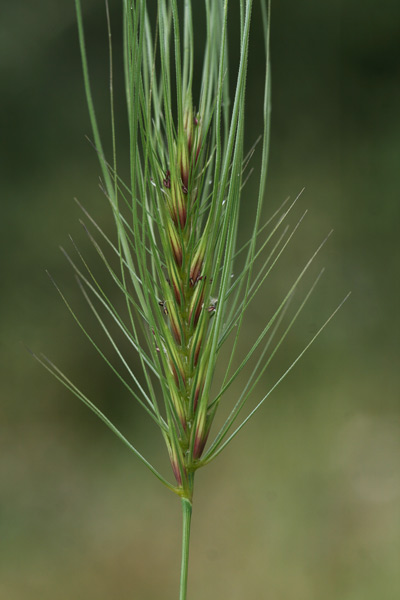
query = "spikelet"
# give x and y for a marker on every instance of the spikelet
(187, 311)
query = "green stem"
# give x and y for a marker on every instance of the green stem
(187, 515)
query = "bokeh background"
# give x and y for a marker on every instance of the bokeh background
(306, 503)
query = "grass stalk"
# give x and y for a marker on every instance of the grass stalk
(187, 517)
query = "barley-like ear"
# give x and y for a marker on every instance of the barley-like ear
(177, 226)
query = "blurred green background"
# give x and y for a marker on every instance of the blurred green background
(306, 504)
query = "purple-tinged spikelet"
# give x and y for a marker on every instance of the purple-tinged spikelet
(187, 309)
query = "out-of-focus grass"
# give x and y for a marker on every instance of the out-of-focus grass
(305, 503)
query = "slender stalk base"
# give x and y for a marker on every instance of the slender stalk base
(187, 516)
